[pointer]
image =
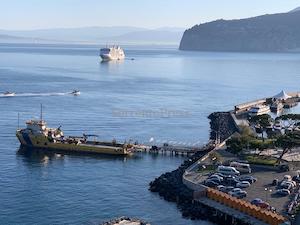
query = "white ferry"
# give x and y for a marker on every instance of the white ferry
(259, 110)
(112, 53)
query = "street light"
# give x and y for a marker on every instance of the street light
(267, 190)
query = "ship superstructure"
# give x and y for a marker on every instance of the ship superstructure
(112, 53)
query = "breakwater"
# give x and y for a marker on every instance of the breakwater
(126, 220)
(222, 126)
(170, 186)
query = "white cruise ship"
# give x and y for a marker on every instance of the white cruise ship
(259, 110)
(112, 53)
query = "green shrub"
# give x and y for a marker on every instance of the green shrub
(261, 160)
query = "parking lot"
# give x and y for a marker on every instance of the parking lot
(263, 188)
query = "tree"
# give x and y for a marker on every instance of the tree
(287, 142)
(292, 120)
(262, 122)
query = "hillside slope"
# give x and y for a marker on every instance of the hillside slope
(267, 33)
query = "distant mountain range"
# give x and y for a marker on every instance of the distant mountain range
(95, 35)
(267, 33)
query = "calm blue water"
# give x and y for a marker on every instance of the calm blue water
(163, 94)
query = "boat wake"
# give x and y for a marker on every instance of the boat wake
(36, 94)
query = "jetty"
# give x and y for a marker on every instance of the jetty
(172, 149)
(187, 188)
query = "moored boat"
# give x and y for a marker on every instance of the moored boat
(38, 135)
(258, 110)
(276, 107)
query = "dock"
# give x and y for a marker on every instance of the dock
(172, 150)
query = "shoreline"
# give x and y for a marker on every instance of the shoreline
(172, 186)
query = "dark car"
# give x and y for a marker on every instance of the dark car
(227, 189)
(231, 180)
(260, 203)
(283, 192)
(250, 179)
(296, 178)
(216, 177)
(283, 167)
(211, 183)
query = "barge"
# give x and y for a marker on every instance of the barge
(38, 135)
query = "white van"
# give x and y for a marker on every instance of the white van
(242, 167)
(228, 170)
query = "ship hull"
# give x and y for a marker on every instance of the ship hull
(108, 57)
(41, 142)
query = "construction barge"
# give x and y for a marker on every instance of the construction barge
(37, 135)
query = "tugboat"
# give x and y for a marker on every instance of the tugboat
(38, 135)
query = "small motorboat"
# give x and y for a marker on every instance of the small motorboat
(9, 94)
(75, 92)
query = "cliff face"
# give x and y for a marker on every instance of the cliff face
(267, 33)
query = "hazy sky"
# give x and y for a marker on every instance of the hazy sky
(32, 14)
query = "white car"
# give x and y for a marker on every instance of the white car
(228, 170)
(243, 184)
(287, 178)
(238, 193)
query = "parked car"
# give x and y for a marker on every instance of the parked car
(296, 178)
(215, 176)
(238, 193)
(234, 190)
(283, 192)
(228, 170)
(256, 201)
(250, 179)
(275, 182)
(220, 187)
(283, 167)
(241, 167)
(211, 183)
(241, 194)
(285, 185)
(225, 189)
(215, 179)
(260, 203)
(243, 184)
(219, 174)
(287, 178)
(231, 180)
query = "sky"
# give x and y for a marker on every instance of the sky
(41, 14)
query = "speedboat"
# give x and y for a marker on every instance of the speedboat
(75, 92)
(9, 94)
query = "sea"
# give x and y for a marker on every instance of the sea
(157, 95)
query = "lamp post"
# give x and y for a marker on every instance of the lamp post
(268, 191)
